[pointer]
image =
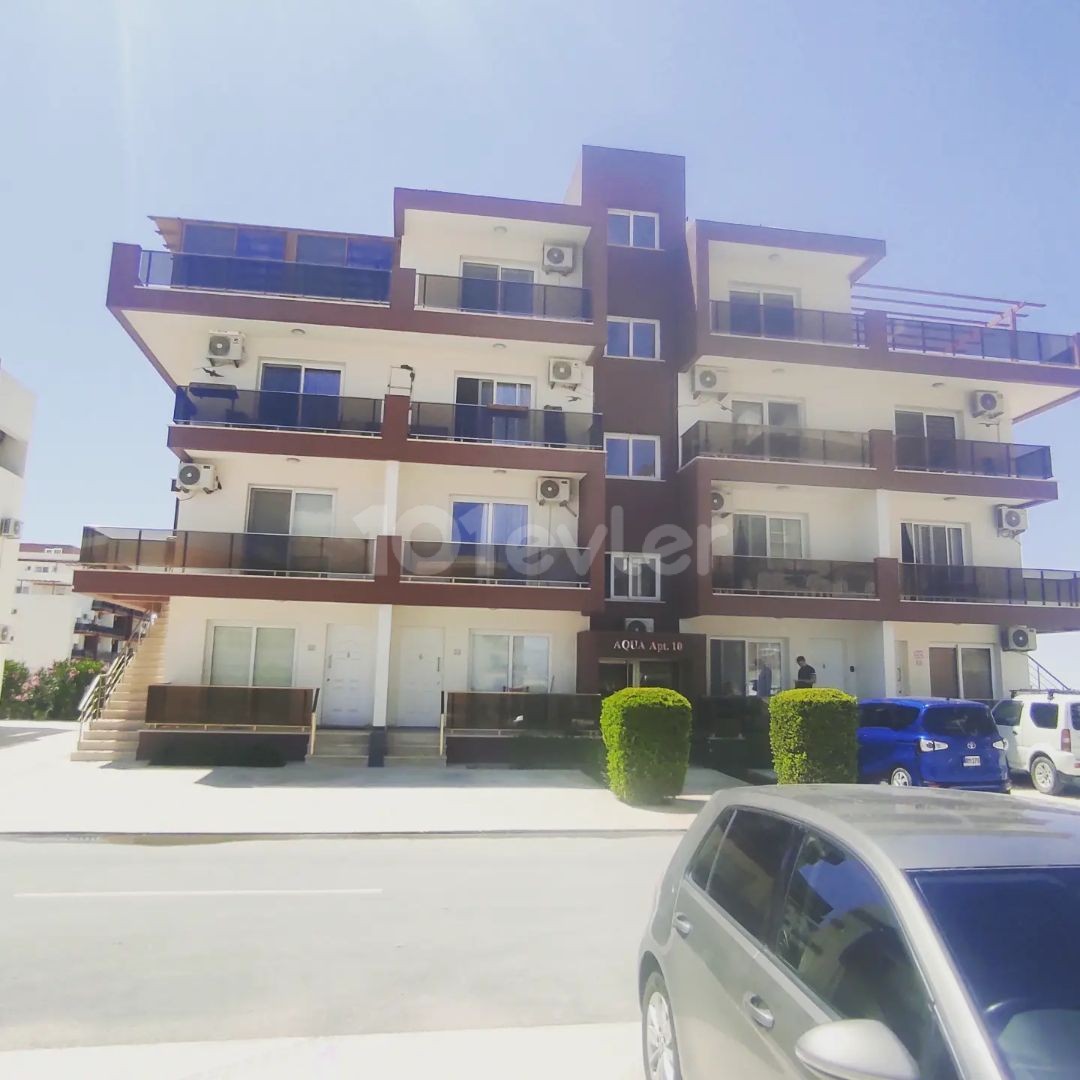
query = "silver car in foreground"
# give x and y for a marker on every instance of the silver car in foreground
(866, 933)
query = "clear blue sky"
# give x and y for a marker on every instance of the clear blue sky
(948, 129)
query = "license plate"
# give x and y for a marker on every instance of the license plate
(973, 759)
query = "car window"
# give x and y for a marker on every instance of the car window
(1007, 713)
(964, 720)
(1074, 714)
(887, 714)
(839, 936)
(702, 863)
(748, 862)
(1044, 714)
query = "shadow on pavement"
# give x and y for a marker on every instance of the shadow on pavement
(33, 730)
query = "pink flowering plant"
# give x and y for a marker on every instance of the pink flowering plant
(51, 693)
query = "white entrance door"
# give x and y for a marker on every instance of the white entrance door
(826, 655)
(348, 681)
(419, 677)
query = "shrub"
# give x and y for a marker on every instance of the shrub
(813, 737)
(646, 732)
(15, 676)
(50, 693)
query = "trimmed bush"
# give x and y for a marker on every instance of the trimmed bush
(813, 736)
(647, 735)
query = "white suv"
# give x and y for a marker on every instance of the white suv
(1038, 727)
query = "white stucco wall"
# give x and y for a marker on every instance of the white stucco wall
(43, 626)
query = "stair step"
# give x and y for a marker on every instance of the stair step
(102, 755)
(339, 759)
(426, 760)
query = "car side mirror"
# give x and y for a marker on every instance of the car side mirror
(855, 1050)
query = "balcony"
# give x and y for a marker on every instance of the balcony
(761, 576)
(270, 277)
(226, 406)
(88, 626)
(162, 551)
(495, 564)
(973, 457)
(481, 296)
(987, 342)
(990, 585)
(792, 324)
(506, 424)
(759, 443)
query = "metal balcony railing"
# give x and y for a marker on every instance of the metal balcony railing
(226, 553)
(760, 443)
(506, 424)
(231, 273)
(226, 406)
(973, 457)
(792, 577)
(497, 564)
(795, 324)
(518, 298)
(88, 626)
(991, 342)
(990, 585)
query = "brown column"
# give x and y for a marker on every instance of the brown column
(876, 328)
(887, 580)
(883, 452)
(402, 289)
(593, 533)
(395, 424)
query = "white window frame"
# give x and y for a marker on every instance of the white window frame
(510, 635)
(208, 657)
(765, 402)
(303, 365)
(489, 501)
(761, 290)
(770, 516)
(956, 646)
(292, 505)
(631, 439)
(497, 380)
(500, 265)
(630, 320)
(640, 557)
(965, 538)
(956, 417)
(748, 677)
(631, 214)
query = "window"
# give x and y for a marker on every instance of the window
(783, 414)
(964, 671)
(936, 545)
(926, 440)
(634, 577)
(209, 239)
(762, 314)
(887, 715)
(702, 863)
(1007, 713)
(493, 288)
(839, 937)
(925, 425)
(260, 244)
(489, 522)
(252, 656)
(1044, 715)
(748, 862)
(341, 251)
(501, 662)
(636, 457)
(766, 536)
(738, 667)
(493, 391)
(637, 339)
(300, 379)
(281, 511)
(633, 228)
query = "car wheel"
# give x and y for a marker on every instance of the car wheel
(659, 1047)
(1045, 777)
(900, 778)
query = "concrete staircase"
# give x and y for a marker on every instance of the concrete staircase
(338, 746)
(413, 746)
(114, 734)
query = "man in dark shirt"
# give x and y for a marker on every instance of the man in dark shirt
(806, 675)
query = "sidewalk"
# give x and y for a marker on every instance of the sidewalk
(42, 791)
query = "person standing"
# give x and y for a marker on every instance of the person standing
(763, 683)
(806, 676)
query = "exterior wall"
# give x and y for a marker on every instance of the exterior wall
(983, 546)
(820, 281)
(43, 626)
(913, 641)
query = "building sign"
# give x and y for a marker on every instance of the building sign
(648, 645)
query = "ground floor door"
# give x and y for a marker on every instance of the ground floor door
(962, 671)
(944, 675)
(419, 677)
(826, 656)
(348, 681)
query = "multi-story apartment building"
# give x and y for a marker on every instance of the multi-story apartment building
(50, 621)
(574, 445)
(16, 418)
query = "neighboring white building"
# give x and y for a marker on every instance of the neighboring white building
(51, 621)
(16, 418)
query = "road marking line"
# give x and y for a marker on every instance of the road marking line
(193, 892)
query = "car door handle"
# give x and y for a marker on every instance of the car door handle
(682, 925)
(759, 1012)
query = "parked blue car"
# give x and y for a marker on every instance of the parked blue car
(930, 742)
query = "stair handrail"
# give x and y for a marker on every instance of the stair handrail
(104, 683)
(1041, 670)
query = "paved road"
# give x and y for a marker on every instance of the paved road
(107, 943)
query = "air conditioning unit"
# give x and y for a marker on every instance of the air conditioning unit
(225, 348)
(563, 372)
(1011, 520)
(11, 528)
(6, 635)
(559, 258)
(553, 489)
(1018, 639)
(708, 381)
(196, 477)
(720, 502)
(639, 626)
(987, 404)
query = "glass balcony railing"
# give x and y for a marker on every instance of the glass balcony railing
(501, 564)
(517, 298)
(990, 585)
(230, 273)
(760, 443)
(506, 424)
(792, 577)
(991, 342)
(973, 457)
(226, 406)
(226, 553)
(795, 324)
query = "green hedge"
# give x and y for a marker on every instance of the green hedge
(51, 693)
(647, 735)
(813, 736)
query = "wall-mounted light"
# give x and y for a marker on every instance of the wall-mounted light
(500, 230)
(299, 331)
(499, 345)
